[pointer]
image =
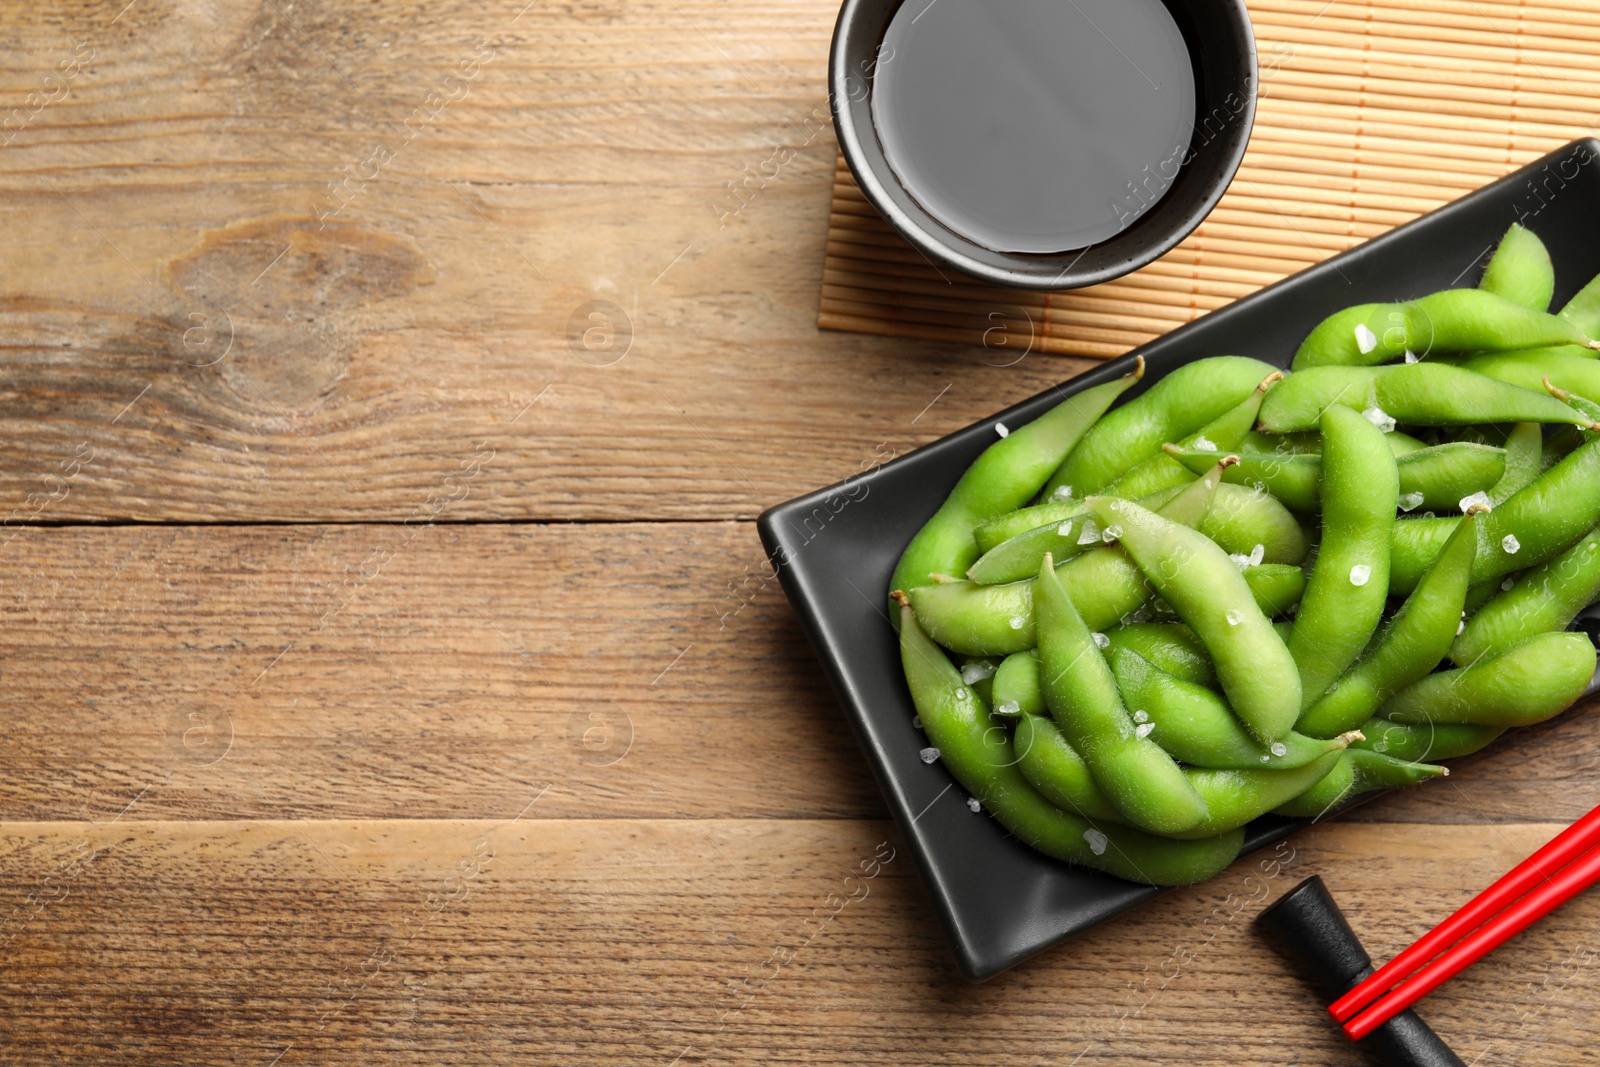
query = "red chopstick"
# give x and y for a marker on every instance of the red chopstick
(1543, 864)
(1541, 901)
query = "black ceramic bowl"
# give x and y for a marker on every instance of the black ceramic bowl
(1223, 50)
(835, 549)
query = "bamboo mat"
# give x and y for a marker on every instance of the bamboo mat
(1369, 115)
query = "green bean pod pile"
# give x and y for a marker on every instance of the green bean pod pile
(1137, 624)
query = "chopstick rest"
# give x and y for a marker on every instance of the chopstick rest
(1310, 927)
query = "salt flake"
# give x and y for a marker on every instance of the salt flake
(1000, 428)
(1480, 498)
(1510, 543)
(1379, 418)
(1411, 501)
(929, 754)
(1203, 444)
(1366, 340)
(1360, 574)
(1097, 841)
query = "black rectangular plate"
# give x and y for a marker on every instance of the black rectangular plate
(835, 549)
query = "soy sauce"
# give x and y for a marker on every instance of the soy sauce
(1034, 125)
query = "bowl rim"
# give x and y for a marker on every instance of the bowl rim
(1020, 270)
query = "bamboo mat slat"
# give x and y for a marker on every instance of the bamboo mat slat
(1371, 113)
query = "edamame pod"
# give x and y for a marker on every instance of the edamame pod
(1417, 394)
(1233, 797)
(1221, 435)
(1241, 518)
(1418, 742)
(1143, 782)
(1176, 406)
(1528, 370)
(1520, 270)
(1435, 477)
(1207, 591)
(1454, 320)
(1016, 686)
(1053, 767)
(1358, 771)
(1170, 646)
(997, 620)
(1018, 558)
(1583, 310)
(1195, 726)
(1528, 683)
(1524, 460)
(1276, 587)
(1349, 582)
(1542, 600)
(1412, 644)
(1002, 479)
(1003, 528)
(979, 755)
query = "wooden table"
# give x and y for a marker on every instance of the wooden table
(389, 675)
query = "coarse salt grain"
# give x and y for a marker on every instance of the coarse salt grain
(1097, 841)
(1360, 574)
(1380, 418)
(929, 754)
(1366, 340)
(1510, 543)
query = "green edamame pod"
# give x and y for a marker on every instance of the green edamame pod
(1358, 771)
(1195, 726)
(1233, 797)
(1417, 394)
(1053, 767)
(1413, 643)
(1419, 742)
(1524, 460)
(1454, 320)
(1349, 582)
(1528, 370)
(977, 751)
(1528, 683)
(1520, 270)
(1221, 435)
(1170, 646)
(1583, 310)
(1542, 600)
(1543, 519)
(1415, 544)
(1431, 477)
(1017, 559)
(1144, 783)
(1002, 479)
(1002, 528)
(1276, 587)
(1176, 406)
(1207, 591)
(1016, 686)
(997, 620)
(1241, 518)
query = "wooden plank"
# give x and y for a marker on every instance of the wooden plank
(639, 941)
(649, 669)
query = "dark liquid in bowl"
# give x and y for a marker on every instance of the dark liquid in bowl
(1034, 125)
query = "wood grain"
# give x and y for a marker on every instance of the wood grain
(639, 941)
(169, 250)
(387, 670)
